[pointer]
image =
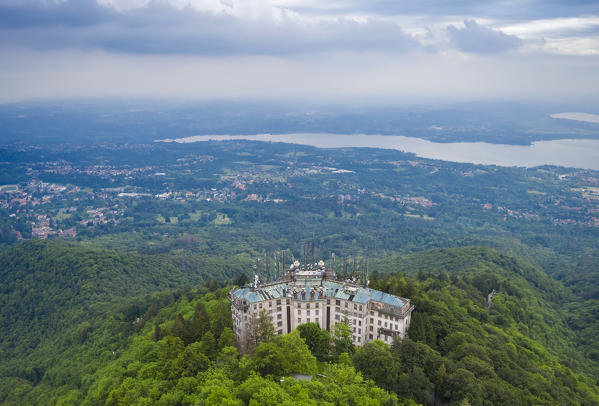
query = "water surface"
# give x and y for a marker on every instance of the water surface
(581, 153)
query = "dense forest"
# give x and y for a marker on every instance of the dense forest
(116, 260)
(90, 338)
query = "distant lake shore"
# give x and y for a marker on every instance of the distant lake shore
(574, 153)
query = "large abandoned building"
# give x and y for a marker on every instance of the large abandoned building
(312, 293)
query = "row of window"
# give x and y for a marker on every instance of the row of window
(299, 312)
(258, 306)
(308, 320)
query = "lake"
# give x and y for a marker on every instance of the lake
(581, 153)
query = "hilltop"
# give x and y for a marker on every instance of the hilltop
(522, 349)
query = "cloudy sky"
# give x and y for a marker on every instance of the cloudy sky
(337, 50)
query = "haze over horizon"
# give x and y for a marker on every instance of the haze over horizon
(290, 49)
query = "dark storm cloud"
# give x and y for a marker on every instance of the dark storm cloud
(477, 38)
(160, 28)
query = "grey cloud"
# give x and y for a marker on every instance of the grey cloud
(496, 9)
(160, 28)
(31, 13)
(477, 38)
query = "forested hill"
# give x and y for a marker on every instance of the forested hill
(176, 348)
(49, 286)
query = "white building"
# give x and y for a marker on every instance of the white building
(312, 294)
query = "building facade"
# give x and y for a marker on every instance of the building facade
(313, 294)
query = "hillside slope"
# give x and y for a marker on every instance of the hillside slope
(47, 287)
(175, 347)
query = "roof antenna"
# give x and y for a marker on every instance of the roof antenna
(256, 279)
(283, 265)
(312, 264)
(333, 261)
(305, 248)
(278, 267)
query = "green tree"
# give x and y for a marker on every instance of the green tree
(227, 338)
(200, 323)
(341, 340)
(194, 360)
(179, 329)
(375, 361)
(222, 317)
(208, 345)
(317, 340)
(266, 330)
(286, 354)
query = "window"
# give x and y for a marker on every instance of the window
(371, 320)
(307, 312)
(336, 317)
(308, 321)
(371, 313)
(279, 317)
(338, 302)
(280, 332)
(288, 301)
(299, 312)
(299, 305)
(316, 312)
(359, 322)
(278, 308)
(360, 307)
(346, 305)
(359, 331)
(269, 304)
(379, 322)
(307, 305)
(328, 301)
(316, 305)
(299, 321)
(278, 302)
(316, 321)
(370, 336)
(385, 324)
(280, 324)
(254, 306)
(355, 306)
(359, 339)
(371, 329)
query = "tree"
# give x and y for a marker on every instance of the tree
(227, 338)
(157, 336)
(375, 361)
(266, 330)
(222, 317)
(341, 339)
(317, 340)
(283, 356)
(194, 360)
(208, 344)
(179, 329)
(200, 323)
